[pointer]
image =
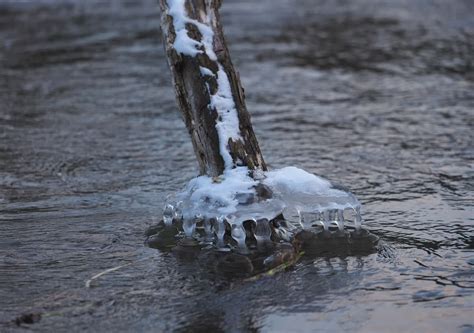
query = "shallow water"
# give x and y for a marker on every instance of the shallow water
(375, 95)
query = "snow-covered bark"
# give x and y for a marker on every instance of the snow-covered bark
(207, 87)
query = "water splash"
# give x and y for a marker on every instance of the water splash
(234, 209)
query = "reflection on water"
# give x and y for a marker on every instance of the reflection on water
(378, 96)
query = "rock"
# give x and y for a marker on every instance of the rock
(234, 265)
(28, 318)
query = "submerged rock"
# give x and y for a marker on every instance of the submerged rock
(261, 259)
(261, 223)
(337, 242)
(234, 265)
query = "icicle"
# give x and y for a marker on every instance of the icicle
(207, 227)
(178, 213)
(238, 234)
(349, 216)
(358, 218)
(219, 229)
(326, 220)
(262, 231)
(333, 217)
(340, 219)
(168, 214)
(305, 223)
(189, 225)
(318, 218)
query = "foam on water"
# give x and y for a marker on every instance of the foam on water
(219, 206)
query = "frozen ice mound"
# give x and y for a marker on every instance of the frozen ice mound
(242, 204)
(313, 200)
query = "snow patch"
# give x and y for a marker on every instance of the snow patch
(296, 180)
(183, 43)
(227, 121)
(205, 71)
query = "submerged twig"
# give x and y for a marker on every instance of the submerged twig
(280, 268)
(88, 282)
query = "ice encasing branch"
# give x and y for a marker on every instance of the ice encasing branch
(208, 89)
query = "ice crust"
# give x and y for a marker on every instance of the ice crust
(222, 203)
(305, 193)
(211, 197)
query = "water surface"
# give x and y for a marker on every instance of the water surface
(375, 95)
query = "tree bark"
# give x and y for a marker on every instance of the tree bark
(195, 89)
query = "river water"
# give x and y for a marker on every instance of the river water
(375, 95)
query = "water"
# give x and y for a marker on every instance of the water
(378, 96)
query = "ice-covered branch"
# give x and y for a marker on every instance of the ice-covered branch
(235, 198)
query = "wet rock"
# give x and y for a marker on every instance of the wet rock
(337, 243)
(163, 239)
(362, 241)
(283, 253)
(234, 265)
(187, 249)
(154, 229)
(28, 318)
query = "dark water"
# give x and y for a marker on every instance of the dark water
(376, 95)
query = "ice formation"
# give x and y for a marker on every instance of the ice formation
(221, 208)
(223, 204)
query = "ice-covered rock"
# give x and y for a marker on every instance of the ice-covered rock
(220, 206)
